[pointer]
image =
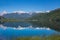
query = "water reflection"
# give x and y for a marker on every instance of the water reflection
(23, 29)
(27, 24)
(20, 28)
(51, 26)
(17, 24)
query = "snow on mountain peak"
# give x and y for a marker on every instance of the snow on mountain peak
(4, 12)
(48, 11)
(39, 11)
(19, 12)
(22, 12)
(42, 11)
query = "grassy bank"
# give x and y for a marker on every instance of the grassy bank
(51, 37)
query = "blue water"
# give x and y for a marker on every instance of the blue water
(10, 32)
(25, 32)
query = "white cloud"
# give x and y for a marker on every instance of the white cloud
(48, 11)
(4, 12)
(22, 28)
(1, 26)
(42, 11)
(39, 11)
(19, 12)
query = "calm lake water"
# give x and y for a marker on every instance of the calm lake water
(9, 30)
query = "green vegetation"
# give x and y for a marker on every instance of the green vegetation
(51, 19)
(29, 38)
(51, 37)
(10, 20)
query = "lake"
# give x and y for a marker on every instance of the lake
(9, 30)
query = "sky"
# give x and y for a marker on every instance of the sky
(28, 5)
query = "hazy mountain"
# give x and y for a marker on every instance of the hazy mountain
(16, 15)
(2, 13)
(19, 14)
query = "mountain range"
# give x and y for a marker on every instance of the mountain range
(18, 15)
(49, 19)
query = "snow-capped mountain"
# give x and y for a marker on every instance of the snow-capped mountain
(19, 14)
(2, 13)
(16, 15)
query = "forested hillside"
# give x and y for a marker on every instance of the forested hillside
(51, 19)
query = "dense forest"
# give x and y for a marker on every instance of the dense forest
(50, 19)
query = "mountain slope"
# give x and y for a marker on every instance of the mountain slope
(51, 19)
(16, 16)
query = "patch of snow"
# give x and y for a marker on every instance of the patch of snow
(4, 12)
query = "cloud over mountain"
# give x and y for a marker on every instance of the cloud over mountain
(4, 12)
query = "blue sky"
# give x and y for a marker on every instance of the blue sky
(28, 5)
